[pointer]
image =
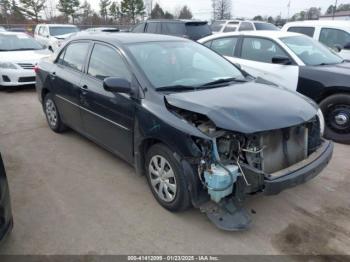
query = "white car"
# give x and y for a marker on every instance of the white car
(296, 62)
(334, 34)
(18, 55)
(53, 35)
(226, 26)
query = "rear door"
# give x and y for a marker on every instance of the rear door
(256, 59)
(66, 78)
(108, 118)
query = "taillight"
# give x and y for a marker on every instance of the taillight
(36, 69)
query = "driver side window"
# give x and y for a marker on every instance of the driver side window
(261, 50)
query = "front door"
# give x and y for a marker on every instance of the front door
(256, 59)
(108, 118)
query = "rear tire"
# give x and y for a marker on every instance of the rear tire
(166, 179)
(52, 115)
(336, 111)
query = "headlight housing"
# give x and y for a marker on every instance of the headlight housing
(321, 119)
(7, 65)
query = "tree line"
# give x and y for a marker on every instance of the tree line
(110, 11)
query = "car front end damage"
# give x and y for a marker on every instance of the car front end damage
(234, 165)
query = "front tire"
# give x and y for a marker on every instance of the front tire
(52, 115)
(336, 111)
(166, 179)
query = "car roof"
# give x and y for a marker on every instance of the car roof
(57, 25)
(241, 20)
(177, 20)
(13, 33)
(125, 38)
(262, 33)
(320, 23)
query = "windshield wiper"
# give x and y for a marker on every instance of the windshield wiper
(176, 88)
(223, 81)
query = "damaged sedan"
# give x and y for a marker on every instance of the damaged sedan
(203, 132)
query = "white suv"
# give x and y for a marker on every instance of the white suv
(52, 35)
(334, 34)
(225, 26)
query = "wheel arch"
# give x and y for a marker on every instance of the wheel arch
(332, 91)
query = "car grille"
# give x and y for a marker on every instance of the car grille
(26, 65)
(26, 79)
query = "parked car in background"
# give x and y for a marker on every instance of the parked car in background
(53, 35)
(2, 29)
(334, 34)
(6, 218)
(200, 129)
(192, 29)
(103, 29)
(225, 26)
(296, 62)
(19, 53)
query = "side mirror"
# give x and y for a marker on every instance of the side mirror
(281, 60)
(117, 85)
(347, 46)
(337, 48)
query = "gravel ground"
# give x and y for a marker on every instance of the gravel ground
(70, 196)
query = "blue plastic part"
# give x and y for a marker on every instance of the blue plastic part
(218, 178)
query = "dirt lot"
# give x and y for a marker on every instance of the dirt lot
(69, 196)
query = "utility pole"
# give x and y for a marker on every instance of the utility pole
(335, 8)
(288, 10)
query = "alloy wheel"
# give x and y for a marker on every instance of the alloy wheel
(162, 178)
(51, 112)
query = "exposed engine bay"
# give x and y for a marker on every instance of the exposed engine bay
(234, 165)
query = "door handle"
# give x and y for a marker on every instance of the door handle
(52, 75)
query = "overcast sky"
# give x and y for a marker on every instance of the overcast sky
(201, 9)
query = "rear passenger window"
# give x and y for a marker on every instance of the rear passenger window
(106, 62)
(75, 54)
(139, 28)
(153, 28)
(173, 28)
(246, 26)
(261, 50)
(230, 28)
(224, 46)
(309, 31)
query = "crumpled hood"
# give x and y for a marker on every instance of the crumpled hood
(30, 56)
(248, 107)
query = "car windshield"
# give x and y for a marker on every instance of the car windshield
(217, 25)
(182, 64)
(56, 30)
(18, 42)
(310, 51)
(265, 26)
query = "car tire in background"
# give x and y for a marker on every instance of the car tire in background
(166, 179)
(336, 111)
(52, 115)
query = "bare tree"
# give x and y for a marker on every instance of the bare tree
(222, 9)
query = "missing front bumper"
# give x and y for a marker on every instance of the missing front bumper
(300, 172)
